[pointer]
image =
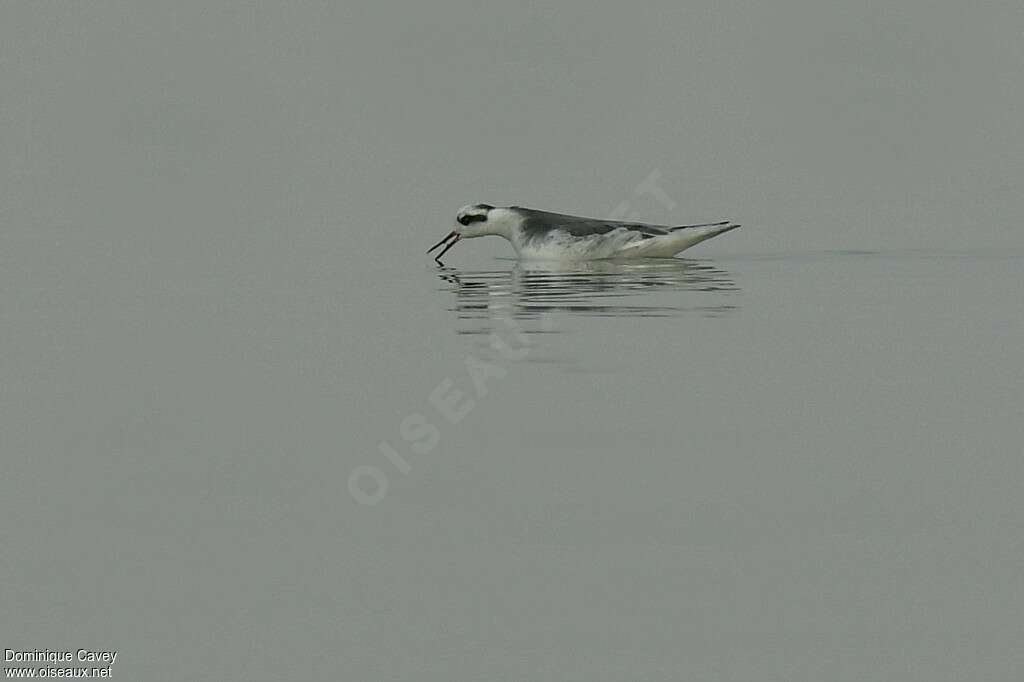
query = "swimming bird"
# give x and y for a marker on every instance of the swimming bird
(539, 235)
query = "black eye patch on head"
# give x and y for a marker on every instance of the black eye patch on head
(467, 219)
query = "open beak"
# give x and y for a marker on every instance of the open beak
(453, 236)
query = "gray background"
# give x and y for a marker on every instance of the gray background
(214, 304)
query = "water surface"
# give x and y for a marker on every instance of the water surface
(772, 466)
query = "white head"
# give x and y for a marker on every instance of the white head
(473, 220)
(477, 220)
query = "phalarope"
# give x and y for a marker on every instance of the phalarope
(553, 236)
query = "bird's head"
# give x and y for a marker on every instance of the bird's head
(477, 220)
(473, 221)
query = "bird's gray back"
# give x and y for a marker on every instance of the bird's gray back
(540, 223)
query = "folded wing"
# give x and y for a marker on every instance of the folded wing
(540, 223)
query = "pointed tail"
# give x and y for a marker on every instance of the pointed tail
(720, 223)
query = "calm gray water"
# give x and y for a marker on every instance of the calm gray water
(250, 431)
(796, 466)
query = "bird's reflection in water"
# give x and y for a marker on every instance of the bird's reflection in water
(641, 288)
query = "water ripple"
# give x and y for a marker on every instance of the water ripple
(648, 288)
